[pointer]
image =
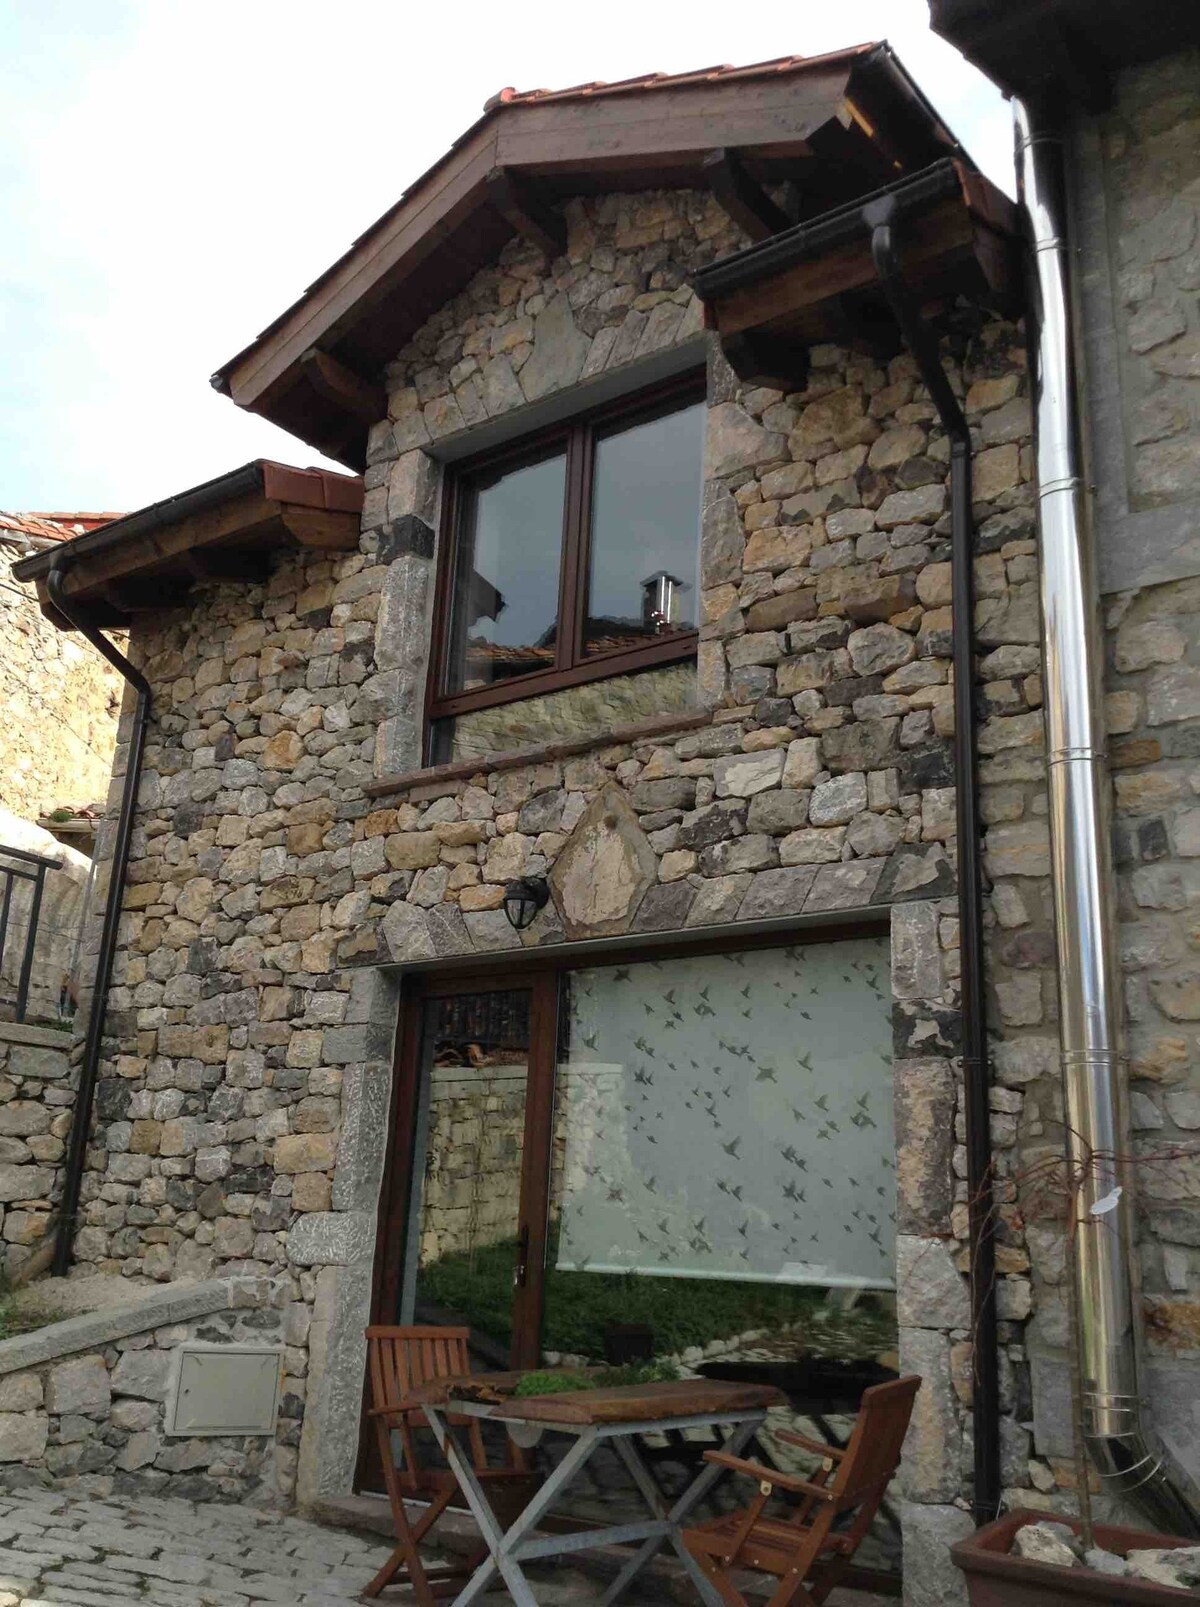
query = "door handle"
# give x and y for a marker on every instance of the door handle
(521, 1270)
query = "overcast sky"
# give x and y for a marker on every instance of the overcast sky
(174, 172)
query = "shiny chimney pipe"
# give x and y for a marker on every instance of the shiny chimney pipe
(1129, 1456)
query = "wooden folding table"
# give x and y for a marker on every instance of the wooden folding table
(592, 1418)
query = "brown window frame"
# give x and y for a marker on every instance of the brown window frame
(575, 436)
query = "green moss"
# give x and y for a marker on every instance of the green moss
(681, 1312)
(568, 1382)
(14, 1321)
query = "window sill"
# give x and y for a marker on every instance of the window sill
(488, 763)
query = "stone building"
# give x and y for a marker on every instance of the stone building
(60, 701)
(640, 616)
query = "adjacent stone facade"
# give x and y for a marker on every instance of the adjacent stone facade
(87, 1398)
(60, 702)
(242, 1115)
(37, 1096)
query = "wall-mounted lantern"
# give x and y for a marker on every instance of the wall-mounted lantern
(523, 899)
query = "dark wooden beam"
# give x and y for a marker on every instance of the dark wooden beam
(342, 387)
(520, 203)
(870, 324)
(148, 596)
(742, 198)
(232, 564)
(759, 358)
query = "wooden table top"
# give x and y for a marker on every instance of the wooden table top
(624, 1403)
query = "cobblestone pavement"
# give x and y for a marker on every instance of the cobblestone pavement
(64, 1550)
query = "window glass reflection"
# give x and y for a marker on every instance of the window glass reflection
(645, 547)
(505, 606)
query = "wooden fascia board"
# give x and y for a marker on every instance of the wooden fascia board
(161, 546)
(408, 236)
(249, 522)
(936, 234)
(767, 117)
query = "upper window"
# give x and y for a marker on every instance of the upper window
(574, 556)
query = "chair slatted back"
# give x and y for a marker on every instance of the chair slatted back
(871, 1459)
(402, 1359)
(873, 1452)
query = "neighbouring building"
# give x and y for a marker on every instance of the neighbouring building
(635, 619)
(60, 699)
(60, 704)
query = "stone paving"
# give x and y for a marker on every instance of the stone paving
(65, 1550)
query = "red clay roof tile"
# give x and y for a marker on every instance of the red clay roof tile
(53, 526)
(699, 75)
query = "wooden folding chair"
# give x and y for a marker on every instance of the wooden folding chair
(811, 1548)
(400, 1360)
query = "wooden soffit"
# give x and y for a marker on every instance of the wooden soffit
(957, 236)
(224, 530)
(826, 128)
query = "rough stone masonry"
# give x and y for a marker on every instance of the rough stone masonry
(243, 1109)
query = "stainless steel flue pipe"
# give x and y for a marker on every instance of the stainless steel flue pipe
(1131, 1460)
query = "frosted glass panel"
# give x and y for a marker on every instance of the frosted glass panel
(730, 1116)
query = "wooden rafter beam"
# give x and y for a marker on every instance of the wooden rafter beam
(148, 596)
(741, 197)
(228, 564)
(520, 202)
(321, 527)
(759, 358)
(343, 388)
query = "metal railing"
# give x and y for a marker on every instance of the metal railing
(27, 868)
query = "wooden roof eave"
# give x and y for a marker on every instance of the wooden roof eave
(147, 570)
(557, 147)
(958, 235)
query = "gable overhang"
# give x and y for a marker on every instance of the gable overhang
(832, 126)
(818, 281)
(1064, 52)
(224, 530)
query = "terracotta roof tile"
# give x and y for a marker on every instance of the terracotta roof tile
(699, 75)
(52, 526)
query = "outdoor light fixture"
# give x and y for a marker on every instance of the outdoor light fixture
(523, 899)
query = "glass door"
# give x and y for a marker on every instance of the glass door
(465, 1245)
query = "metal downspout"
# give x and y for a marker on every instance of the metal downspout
(1127, 1452)
(881, 217)
(81, 1121)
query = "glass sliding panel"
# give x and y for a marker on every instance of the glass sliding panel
(723, 1152)
(504, 610)
(464, 1214)
(645, 542)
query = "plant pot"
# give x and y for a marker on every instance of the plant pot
(996, 1578)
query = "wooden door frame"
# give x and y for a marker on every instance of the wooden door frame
(401, 1160)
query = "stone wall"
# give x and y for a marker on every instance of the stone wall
(37, 1095)
(242, 1114)
(86, 1399)
(60, 702)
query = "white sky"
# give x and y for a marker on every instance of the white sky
(174, 172)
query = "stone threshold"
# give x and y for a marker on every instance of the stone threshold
(543, 753)
(157, 1307)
